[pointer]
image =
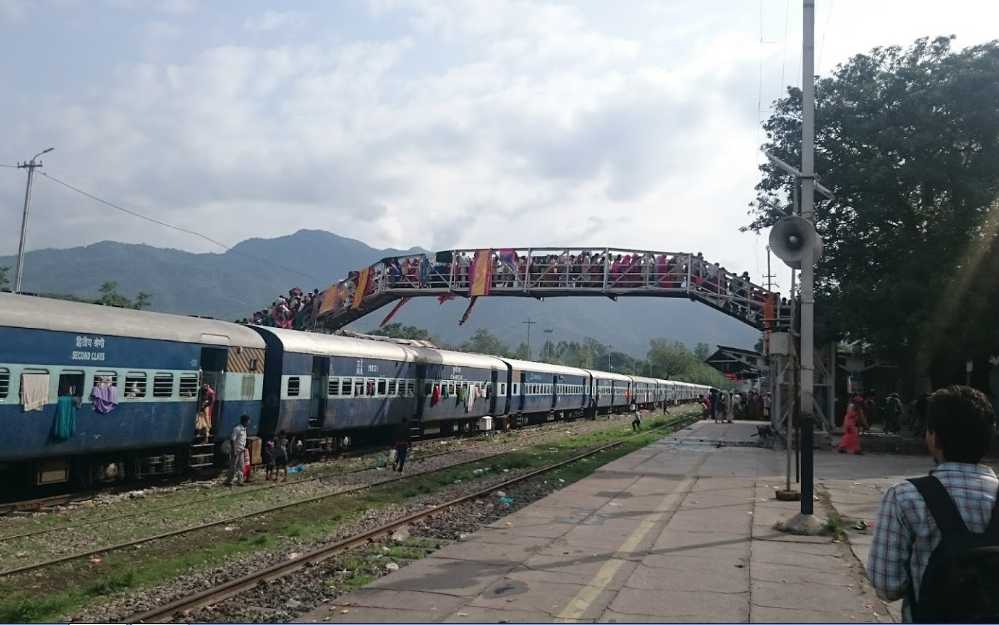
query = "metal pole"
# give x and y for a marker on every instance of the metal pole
(807, 359)
(19, 269)
(22, 244)
(529, 323)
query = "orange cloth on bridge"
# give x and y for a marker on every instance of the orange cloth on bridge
(482, 273)
(362, 285)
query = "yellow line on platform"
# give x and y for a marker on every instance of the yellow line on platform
(575, 609)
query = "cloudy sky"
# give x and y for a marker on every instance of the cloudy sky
(440, 123)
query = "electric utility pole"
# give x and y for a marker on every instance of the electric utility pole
(529, 323)
(30, 166)
(807, 360)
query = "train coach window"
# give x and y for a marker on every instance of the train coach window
(428, 389)
(358, 387)
(370, 387)
(135, 385)
(110, 376)
(4, 383)
(333, 387)
(294, 386)
(410, 388)
(392, 389)
(502, 388)
(345, 386)
(516, 388)
(163, 385)
(248, 387)
(188, 385)
(382, 387)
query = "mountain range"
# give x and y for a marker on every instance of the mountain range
(249, 276)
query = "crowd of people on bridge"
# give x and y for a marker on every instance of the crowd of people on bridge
(569, 269)
(293, 311)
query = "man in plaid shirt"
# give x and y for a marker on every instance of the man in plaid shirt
(959, 430)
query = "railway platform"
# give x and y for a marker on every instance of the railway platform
(679, 531)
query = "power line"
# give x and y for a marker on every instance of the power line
(783, 60)
(6, 165)
(177, 228)
(825, 29)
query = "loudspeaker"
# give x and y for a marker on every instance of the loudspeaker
(791, 236)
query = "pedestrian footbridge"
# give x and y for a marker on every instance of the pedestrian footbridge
(545, 272)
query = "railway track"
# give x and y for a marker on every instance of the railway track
(68, 498)
(233, 587)
(232, 519)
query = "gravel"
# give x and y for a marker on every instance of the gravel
(285, 599)
(108, 519)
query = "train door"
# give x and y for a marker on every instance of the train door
(320, 391)
(213, 364)
(494, 397)
(554, 394)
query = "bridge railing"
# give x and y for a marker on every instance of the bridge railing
(548, 272)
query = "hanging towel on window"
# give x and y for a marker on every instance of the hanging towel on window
(473, 392)
(65, 421)
(104, 397)
(34, 390)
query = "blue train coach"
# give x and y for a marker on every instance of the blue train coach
(91, 393)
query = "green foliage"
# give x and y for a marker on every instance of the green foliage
(111, 297)
(908, 141)
(142, 300)
(485, 342)
(399, 331)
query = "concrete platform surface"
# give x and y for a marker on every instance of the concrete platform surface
(679, 531)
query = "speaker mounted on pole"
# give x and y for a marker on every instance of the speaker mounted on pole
(791, 236)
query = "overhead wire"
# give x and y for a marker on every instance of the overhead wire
(825, 31)
(270, 263)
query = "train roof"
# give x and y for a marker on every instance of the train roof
(43, 313)
(315, 343)
(644, 380)
(544, 367)
(606, 375)
(432, 356)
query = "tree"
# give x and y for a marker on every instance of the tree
(111, 297)
(670, 358)
(484, 342)
(908, 141)
(702, 351)
(3, 277)
(142, 300)
(521, 352)
(399, 331)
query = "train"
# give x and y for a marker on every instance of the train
(325, 393)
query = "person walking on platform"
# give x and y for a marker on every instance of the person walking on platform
(850, 442)
(237, 442)
(936, 538)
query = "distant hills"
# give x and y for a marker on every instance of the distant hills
(249, 276)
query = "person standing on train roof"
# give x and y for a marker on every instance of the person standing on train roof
(238, 446)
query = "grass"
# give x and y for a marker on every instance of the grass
(67, 588)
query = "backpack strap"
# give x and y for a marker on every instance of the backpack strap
(941, 506)
(992, 530)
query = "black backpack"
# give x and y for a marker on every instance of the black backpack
(961, 580)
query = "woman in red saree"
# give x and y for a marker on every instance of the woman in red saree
(850, 442)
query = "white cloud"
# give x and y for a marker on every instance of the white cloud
(471, 124)
(274, 20)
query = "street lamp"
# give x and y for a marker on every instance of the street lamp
(30, 166)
